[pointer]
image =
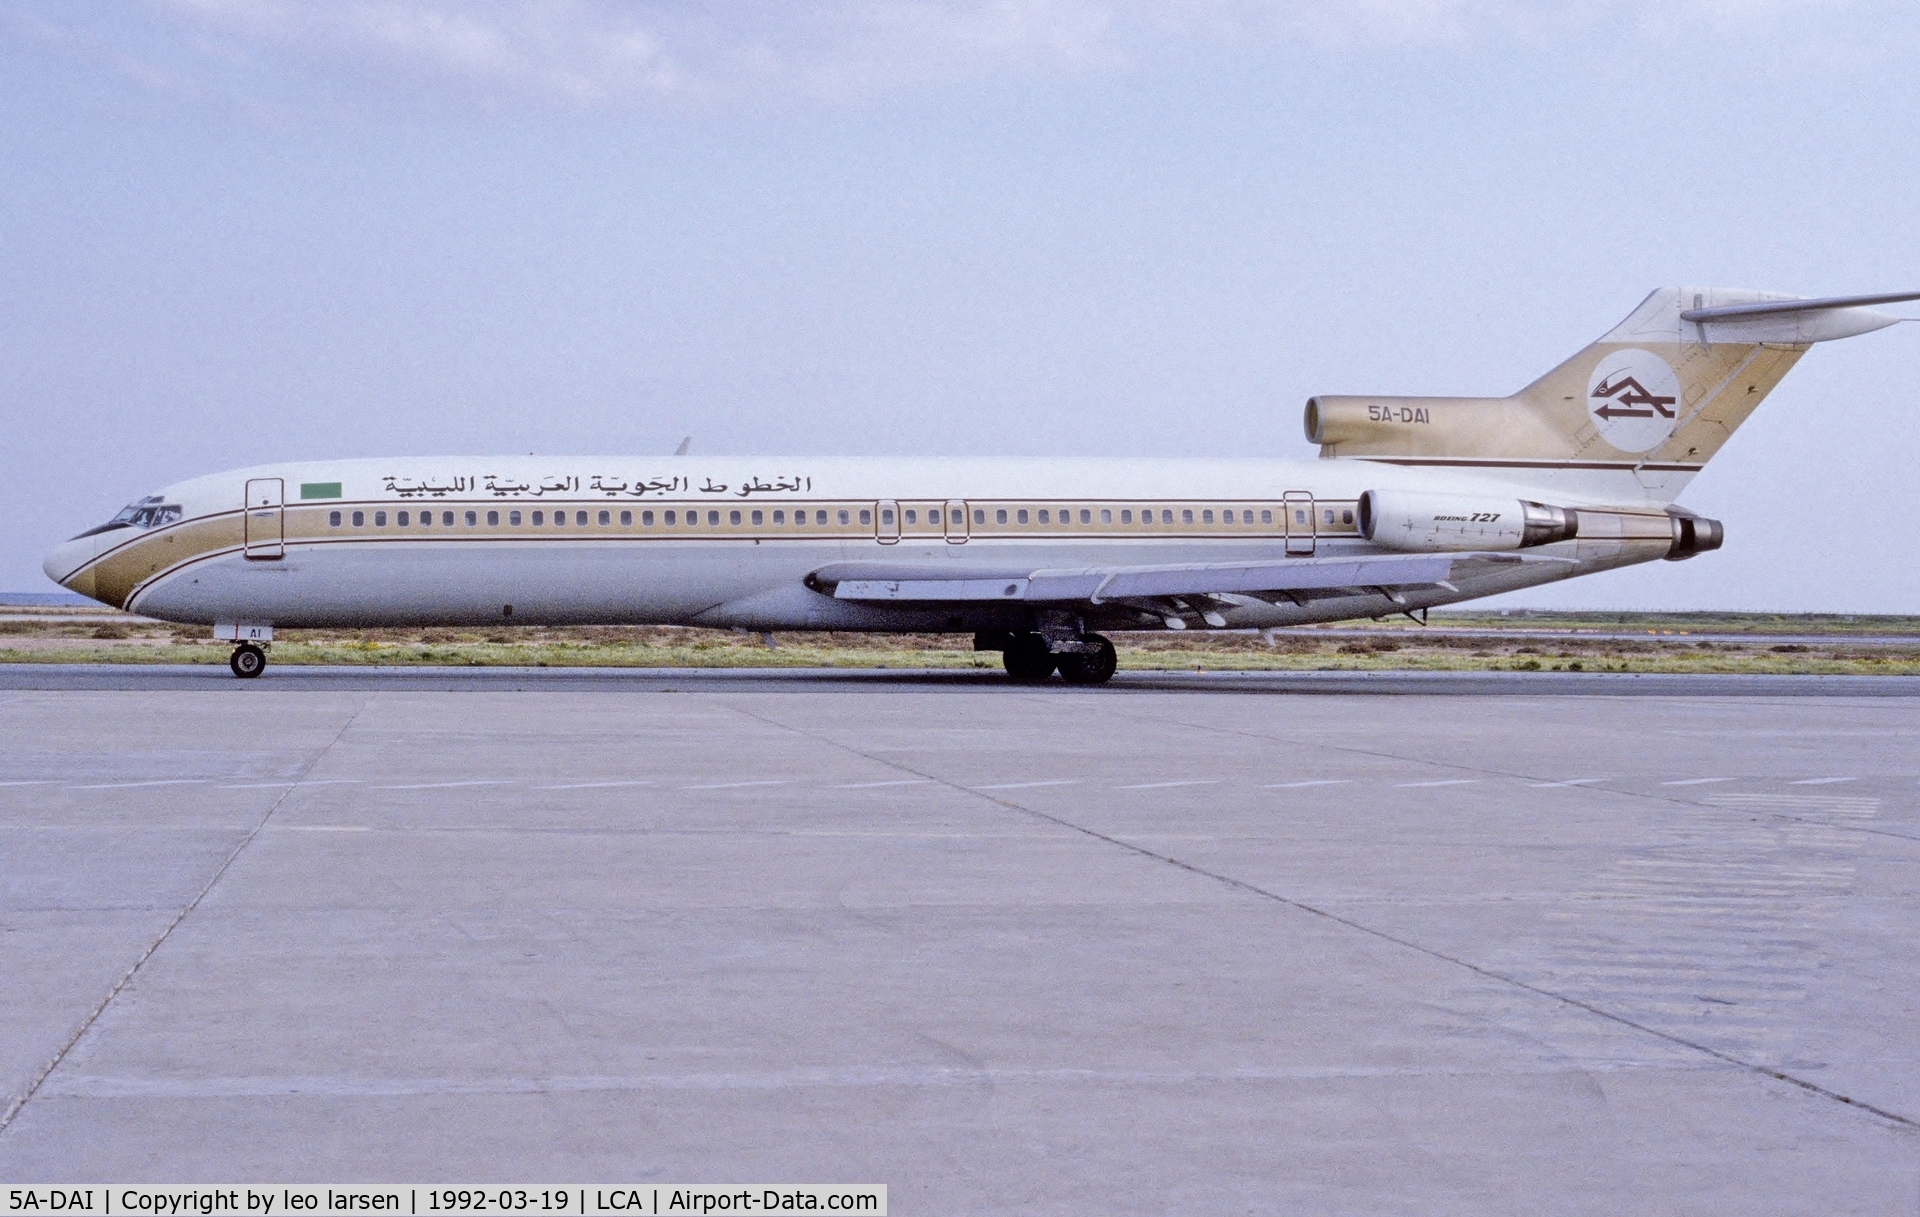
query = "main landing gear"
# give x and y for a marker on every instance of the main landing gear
(247, 661)
(1031, 658)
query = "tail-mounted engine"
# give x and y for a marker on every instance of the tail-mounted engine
(1694, 535)
(1418, 522)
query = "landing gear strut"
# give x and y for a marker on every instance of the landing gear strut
(247, 661)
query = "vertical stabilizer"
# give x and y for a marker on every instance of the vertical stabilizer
(1632, 417)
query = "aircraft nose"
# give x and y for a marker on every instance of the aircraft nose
(65, 565)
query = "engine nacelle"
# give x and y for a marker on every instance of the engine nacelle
(1694, 535)
(1419, 522)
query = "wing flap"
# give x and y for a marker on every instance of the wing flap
(1097, 585)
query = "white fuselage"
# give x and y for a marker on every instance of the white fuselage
(731, 541)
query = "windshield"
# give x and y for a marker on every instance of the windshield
(149, 512)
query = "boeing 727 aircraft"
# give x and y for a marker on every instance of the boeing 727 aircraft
(1414, 502)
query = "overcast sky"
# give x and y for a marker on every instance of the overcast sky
(237, 231)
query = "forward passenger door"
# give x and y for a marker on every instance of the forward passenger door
(265, 516)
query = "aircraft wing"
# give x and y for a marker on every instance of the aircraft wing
(1296, 579)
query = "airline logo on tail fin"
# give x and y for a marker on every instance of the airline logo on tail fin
(1633, 398)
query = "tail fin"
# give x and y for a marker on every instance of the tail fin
(1633, 416)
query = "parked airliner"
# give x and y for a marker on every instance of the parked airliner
(1414, 502)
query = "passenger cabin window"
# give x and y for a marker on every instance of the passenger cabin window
(758, 517)
(626, 518)
(1186, 515)
(779, 516)
(403, 519)
(446, 519)
(1126, 517)
(1000, 516)
(493, 519)
(379, 519)
(606, 518)
(1106, 515)
(979, 515)
(670, 518)
(359, 518)
(539, 518)
(513, 518)
(820, 517)
(559, 519)
(843, 517)
(473, 518)
(1266, 515)
(733, 517)
(580, 518)
(333, 518)
(1046, 517)
(713, 517)
(1346, 517)
(646, 519)
(913, 516)
(1086, 517)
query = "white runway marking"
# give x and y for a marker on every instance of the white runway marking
(739, 785)
(1447, 782)
(1299, 785)
(1170, 785)
(1696, 781)
(131, 785)
(1030, 785)
(878, 785)
(595, 785)
(1568, 782)
(443, 785)
(1820, 781)
(322, 828)
(35, 782)
(283, 785)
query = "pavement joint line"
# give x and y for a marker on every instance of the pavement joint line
(1442, 782)
(1014, 785)
(26, 1096)
(1697, 781)
(877, 785)
(1301, 785)
(596, 785)
(740, 785)
(1815, 1088)
(131, 785)
(1568, 782)
(445, 785)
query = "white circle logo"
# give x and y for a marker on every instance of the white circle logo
(1634, 399)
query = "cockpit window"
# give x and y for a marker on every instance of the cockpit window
(149, 512)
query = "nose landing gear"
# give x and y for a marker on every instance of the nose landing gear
(247, 661)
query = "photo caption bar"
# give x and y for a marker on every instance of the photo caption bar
(424, 1200)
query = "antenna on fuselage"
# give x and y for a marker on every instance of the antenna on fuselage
(685, 444)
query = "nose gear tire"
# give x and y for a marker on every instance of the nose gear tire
(247, 661)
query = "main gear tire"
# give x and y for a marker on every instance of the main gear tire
(1027, 659)
(1094, 667)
